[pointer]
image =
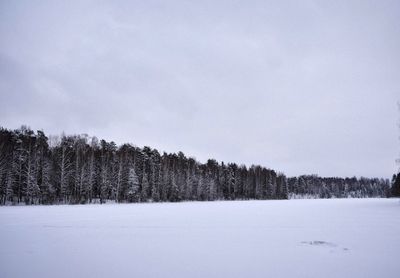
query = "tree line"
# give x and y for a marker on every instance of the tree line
(78, 169)
(312, 186)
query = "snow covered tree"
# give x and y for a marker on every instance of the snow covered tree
(155, 192)
(65, 169)
(47, 189)
(230, 182)
(133, 186)
(213, 190)
(283, 187)
(145, 188)
(91, 173)
(174, 195)
(9, 194)
(258, 183)
(119, 181)
(201, 188)
(3, 171)
(32, 187)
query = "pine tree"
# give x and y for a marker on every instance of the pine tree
(46, 188)
(174, 195)
(258, 183)
(145, 188)
(65, 171)
(155, 192)
(133, 186)
(230, 182)
(201, 188)
(9, 194)
(213, 190)
(283, 187)
(91, 171)
(3, 172)
(32, 187)
(119, 181)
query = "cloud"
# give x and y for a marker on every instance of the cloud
(302, 87)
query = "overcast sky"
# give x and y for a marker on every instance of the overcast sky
(302, 87)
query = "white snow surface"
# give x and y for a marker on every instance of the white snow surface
(288, 238)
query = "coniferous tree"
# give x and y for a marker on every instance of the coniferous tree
(213, 190)
(395, 190)
(9, 191)
(174, 195)
(65, 168)
(145, 187)
(133, 186)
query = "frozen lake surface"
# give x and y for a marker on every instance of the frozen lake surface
(288, 238)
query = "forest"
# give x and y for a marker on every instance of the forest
(79, 169)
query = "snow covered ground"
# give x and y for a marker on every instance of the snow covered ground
(295, 238)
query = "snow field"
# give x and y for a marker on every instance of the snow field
(285, 238)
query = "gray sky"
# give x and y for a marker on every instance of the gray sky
(297, 86)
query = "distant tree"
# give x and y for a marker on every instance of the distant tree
(201, 188)
(9, 193)
(283, 187)
(119, 180)
(174, 195)
(133, 186)
(157, 178)
(145, 187)
(154, 182)
(3, 171)
(213, 190)
(46, 187)
(91, 170)
(65, 168)
(395, 190)
(258, 183)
